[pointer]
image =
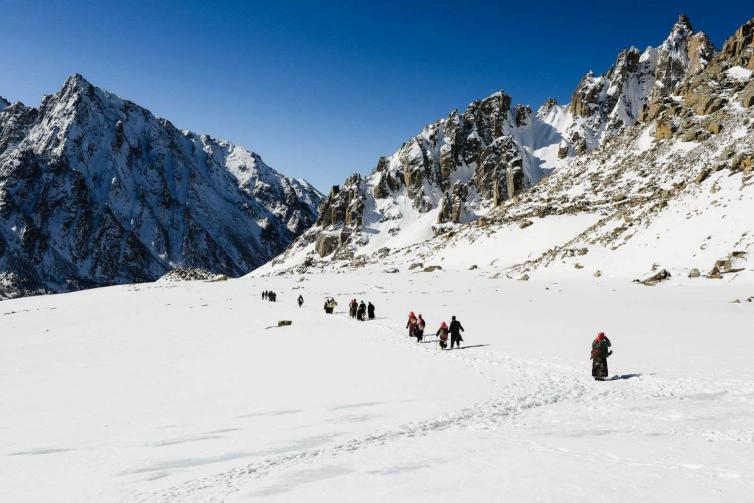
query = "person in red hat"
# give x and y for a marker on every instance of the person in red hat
(600, 352)
(412, 324)
(442, 333)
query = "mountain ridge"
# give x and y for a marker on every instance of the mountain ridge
(679, 100)
(95, 190)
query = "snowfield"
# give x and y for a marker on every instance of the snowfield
(190, 392)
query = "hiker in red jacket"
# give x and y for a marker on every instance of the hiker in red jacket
(411, 324)
(442, 333)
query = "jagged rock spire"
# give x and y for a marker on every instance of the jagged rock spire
(684, 21)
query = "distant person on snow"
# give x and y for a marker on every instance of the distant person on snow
(300, 300)
(330, 305)
(362, 311)
(370, 311)
(455, 333)
(600, 352)
(411, 324)
(442, 333)
(264, 295)
(353, 307)
(420, 325)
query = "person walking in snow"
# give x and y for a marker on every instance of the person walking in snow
(600, 352)
(353, 306)
(362, 311)
(330, 305)
(455, 333)
(411, 324)
(264, 295)
(442, 334)
(300, 300)
(420, 325)
(370, 311)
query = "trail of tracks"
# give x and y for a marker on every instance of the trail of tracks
(534, 384)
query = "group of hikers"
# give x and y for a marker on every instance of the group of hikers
(271, 296)
(360, 311)
(330, 305)
(416, 326)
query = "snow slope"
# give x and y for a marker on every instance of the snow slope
(181, 392)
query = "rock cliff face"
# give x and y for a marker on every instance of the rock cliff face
(658, 120)
(603, 105)
(95, 190)
(455, 170)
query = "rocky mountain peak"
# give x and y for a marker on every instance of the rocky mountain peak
(602, 105)
(467, 166)
(95, 190)
(4, 103)
(77, 83)
(683, 25)
(547, 106)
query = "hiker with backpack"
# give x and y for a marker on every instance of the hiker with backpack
(455, 333)
(411, 324)
(300, 300)
(420, 325)
(370, 311)
(442, 334)
(600, 352)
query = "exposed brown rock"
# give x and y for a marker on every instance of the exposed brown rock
(663, 129)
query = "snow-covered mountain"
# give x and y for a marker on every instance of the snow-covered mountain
(602, 105)
(655, 154)
(95, 190)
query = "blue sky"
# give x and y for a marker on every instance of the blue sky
(322, 89)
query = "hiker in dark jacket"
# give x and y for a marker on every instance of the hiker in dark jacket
(300, 300)
(420, 325)
(455, 333)
(361, 313)
(353, 307)
(264, 295)
(442, 334)
(370, 311)
(600, 352)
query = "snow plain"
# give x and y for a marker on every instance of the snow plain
(181, 392)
